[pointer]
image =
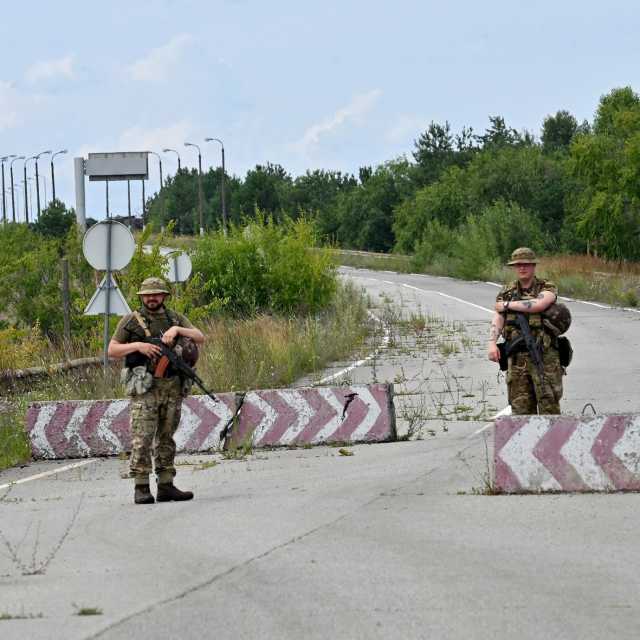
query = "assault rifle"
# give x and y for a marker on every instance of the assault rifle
(534, 349)
(185, 371)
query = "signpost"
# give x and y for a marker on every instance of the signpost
(178, 268)
(108, 246)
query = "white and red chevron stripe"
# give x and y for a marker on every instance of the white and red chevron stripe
(85, 428)
(82, 428)
(280, 417)
(567, 453)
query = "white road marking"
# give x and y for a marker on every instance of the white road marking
(359, 363)
(45, 474)
(446, 295)
(503, 412)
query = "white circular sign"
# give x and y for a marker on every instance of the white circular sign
(95, 242)
(178, 267)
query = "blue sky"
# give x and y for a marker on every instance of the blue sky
(305, 84)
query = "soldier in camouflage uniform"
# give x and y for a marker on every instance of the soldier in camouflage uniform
(529, 393)
(155, 401)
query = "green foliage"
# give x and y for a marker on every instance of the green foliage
(262, 267)
(55, 221)
(144, 264)
(484, 241)
(558, 131)
(607, 167)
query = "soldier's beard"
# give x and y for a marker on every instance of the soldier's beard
(153, 305)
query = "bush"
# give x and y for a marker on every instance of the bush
(482, 243)
(263, 267)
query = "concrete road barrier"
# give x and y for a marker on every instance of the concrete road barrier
(85, 428)
(359, 413)
(567, 453)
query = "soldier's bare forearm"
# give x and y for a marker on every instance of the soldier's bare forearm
(495, 330)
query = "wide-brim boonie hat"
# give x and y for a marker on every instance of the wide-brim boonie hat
(154, 285)
(523, 255)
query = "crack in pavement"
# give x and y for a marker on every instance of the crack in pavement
(219, 576)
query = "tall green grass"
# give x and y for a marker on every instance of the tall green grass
(265, 351)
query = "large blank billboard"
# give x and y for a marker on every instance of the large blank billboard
(125, 165)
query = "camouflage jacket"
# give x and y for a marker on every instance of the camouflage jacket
(514, 291)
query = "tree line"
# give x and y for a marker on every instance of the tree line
(574, 188)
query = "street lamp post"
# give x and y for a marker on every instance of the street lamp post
(53, 175)
(157, 155)
(222, 185)
(200, 196)
(26, 195)
(13, 201)
(4, 195)
(174, 151)
(37, 156)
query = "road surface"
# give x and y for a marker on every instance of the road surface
(396, 541)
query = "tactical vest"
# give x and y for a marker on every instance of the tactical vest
(515, 292)
(157, 324)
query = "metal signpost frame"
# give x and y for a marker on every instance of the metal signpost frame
(111, 248)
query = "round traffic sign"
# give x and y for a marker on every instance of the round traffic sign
(96, 241)
(178, 267)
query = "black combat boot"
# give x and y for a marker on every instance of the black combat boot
(167, 492)
(142, 494)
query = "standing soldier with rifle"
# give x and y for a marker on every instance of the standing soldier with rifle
(530, 352)
(155, 386)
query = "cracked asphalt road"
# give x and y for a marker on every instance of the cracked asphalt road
(396, 541)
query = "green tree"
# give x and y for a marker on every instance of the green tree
(55, 221)
(607, 166)
(558, 131)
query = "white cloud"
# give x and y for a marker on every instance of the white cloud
(158, 64)
(407, 128)
(47, 69)
(9, 106)
(17, 107)
(140, 139)
(354, 111)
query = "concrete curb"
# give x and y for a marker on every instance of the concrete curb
(567, 453)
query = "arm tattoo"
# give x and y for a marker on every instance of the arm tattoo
(527, 304)
(540, 296)
(494, 332)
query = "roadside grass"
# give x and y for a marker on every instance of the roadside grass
(576, 276)
(239, 354)
(376, 261)
(14, 445)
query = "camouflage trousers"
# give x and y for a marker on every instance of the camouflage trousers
(155, 416)
(528, 394)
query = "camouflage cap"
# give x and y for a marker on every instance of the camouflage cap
(154, 285)
(523, 255)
